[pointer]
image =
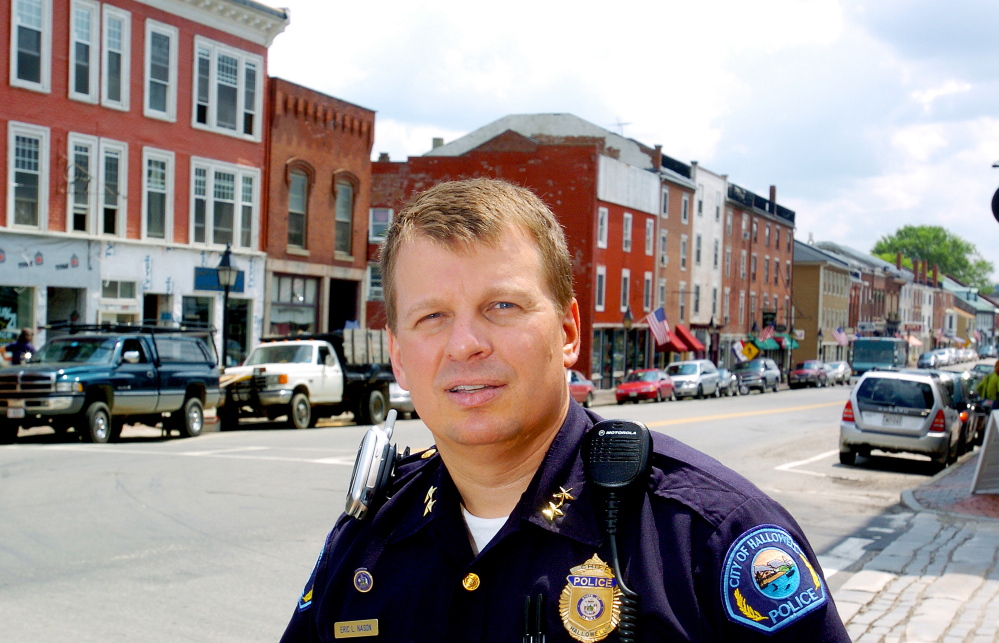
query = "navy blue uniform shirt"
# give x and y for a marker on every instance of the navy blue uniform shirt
(710, 555)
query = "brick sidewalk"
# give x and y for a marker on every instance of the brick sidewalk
(950, 492)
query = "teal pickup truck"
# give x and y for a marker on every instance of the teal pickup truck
(96, 379)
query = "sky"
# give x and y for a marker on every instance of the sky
(867, 115)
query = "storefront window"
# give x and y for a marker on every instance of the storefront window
(294, 305)
(17, 311)
(198, 311)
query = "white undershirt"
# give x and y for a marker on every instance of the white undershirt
(481, 530)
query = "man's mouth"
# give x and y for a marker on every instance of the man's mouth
(469, 388)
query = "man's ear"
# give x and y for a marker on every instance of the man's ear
(396, 356)
(570, 334)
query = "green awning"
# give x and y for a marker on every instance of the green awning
(788, 342)
(766, 344)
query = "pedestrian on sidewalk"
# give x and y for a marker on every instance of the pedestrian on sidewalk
(498, 533)
(21, 349)
(988, 389)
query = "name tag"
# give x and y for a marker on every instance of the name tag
(355, 629)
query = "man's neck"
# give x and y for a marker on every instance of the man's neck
(491, 479)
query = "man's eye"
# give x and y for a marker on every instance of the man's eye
(504, 305)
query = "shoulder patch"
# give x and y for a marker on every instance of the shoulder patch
(305, 602)
(767, 581)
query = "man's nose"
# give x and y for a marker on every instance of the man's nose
(468, 338)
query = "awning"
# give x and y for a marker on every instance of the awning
(914, 341)
(688, 337)
(766, 344)
(675, 344)
(786, 342)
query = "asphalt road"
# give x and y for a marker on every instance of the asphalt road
(212, 538)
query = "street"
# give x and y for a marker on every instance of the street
(212, 538)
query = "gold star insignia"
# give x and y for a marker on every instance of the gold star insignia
(429, 500)
(553, 511)
(563, 495)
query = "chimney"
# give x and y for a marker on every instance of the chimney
(383, 157)
(773, 199)
(438, 142)
(657, 158)
(898, 260)
(936, 275)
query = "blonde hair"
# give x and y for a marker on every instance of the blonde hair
(459, 214)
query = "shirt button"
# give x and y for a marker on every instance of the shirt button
(470, 582)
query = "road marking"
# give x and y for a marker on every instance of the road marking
(218, 451)
(744, 414)
(224, 454)
(790, 466)
(843, 555)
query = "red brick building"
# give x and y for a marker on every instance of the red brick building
(605, 190)
(134, 137)
(317, 225)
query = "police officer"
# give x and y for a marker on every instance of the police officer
(495, 534)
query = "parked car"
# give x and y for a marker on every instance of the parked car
(96, 379)
(929, 359)
(839, 372)
(979, 371)
(400, 400)
(966, 401)
(811, 372)
(645, 384)
(901, 411)
(761, 374)
(694, 378)
(580, 388)
(987, 351)
(728, 383)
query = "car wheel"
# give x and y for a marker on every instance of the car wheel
(588, 401)
(743, 389)
(847, 457)
(8, 432)
(190, 418)
(700, 393)
(620, 402)
(376, 407)
(228, 415)
(95, 425)
(717, 391)
(763, 388)
(659, 395)
(300, 411)
(672, 395)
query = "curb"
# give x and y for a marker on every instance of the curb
(908, 497)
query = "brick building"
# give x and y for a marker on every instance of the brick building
(134, 136)
(317, 227)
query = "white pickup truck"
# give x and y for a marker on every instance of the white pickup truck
(306, 379)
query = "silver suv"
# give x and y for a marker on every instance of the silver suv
(760, 374)
(694, 378)
(901, 411)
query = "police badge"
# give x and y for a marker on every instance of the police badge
(590, 604)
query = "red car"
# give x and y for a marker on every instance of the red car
(580, 388)
(645, 384)
(808, 373)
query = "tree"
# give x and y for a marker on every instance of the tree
(956, 257)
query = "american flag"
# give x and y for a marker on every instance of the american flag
(840, 336)
(767, 333)
(659, 325)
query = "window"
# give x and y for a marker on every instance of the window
(697, 250)
(118, 290)
(714, 262)
(777, 237)
(789, 241)
(766, 270)
(742, 307)
(700, 200)
(683, 301)
(601, 227)
(228, 89)
(697, 299)
(31, 44)
(766, 236)
(115, 59)
(787, 273)
(661, 300)
(685, 209)
(727, 305)
(745, 227)
(80, 176)
(113, 186)
(28, 174)
(83, 50)
(344, 217)
(742, 265)
(650, 236)
(728, 261)
(728, 223)
(752, 306)
(375, 282)
(157, 188)
(714, 302)
(776, 271)
(224, 203)
(161, 71)
(298, 209)
(717, 205)
(626, 234)
(663, 238)
(755, 230)
(601, 288)
(665, 202)
(625, 289)
(683, 252)
(752, 267)
(647, 292)
(379, 220)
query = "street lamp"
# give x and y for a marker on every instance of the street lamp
(626, 322)
(818, 347)
(227, 275)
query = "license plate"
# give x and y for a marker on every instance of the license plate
(15, 413)
(891, 420)
(633, 394)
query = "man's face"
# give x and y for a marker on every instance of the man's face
(479, 344)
